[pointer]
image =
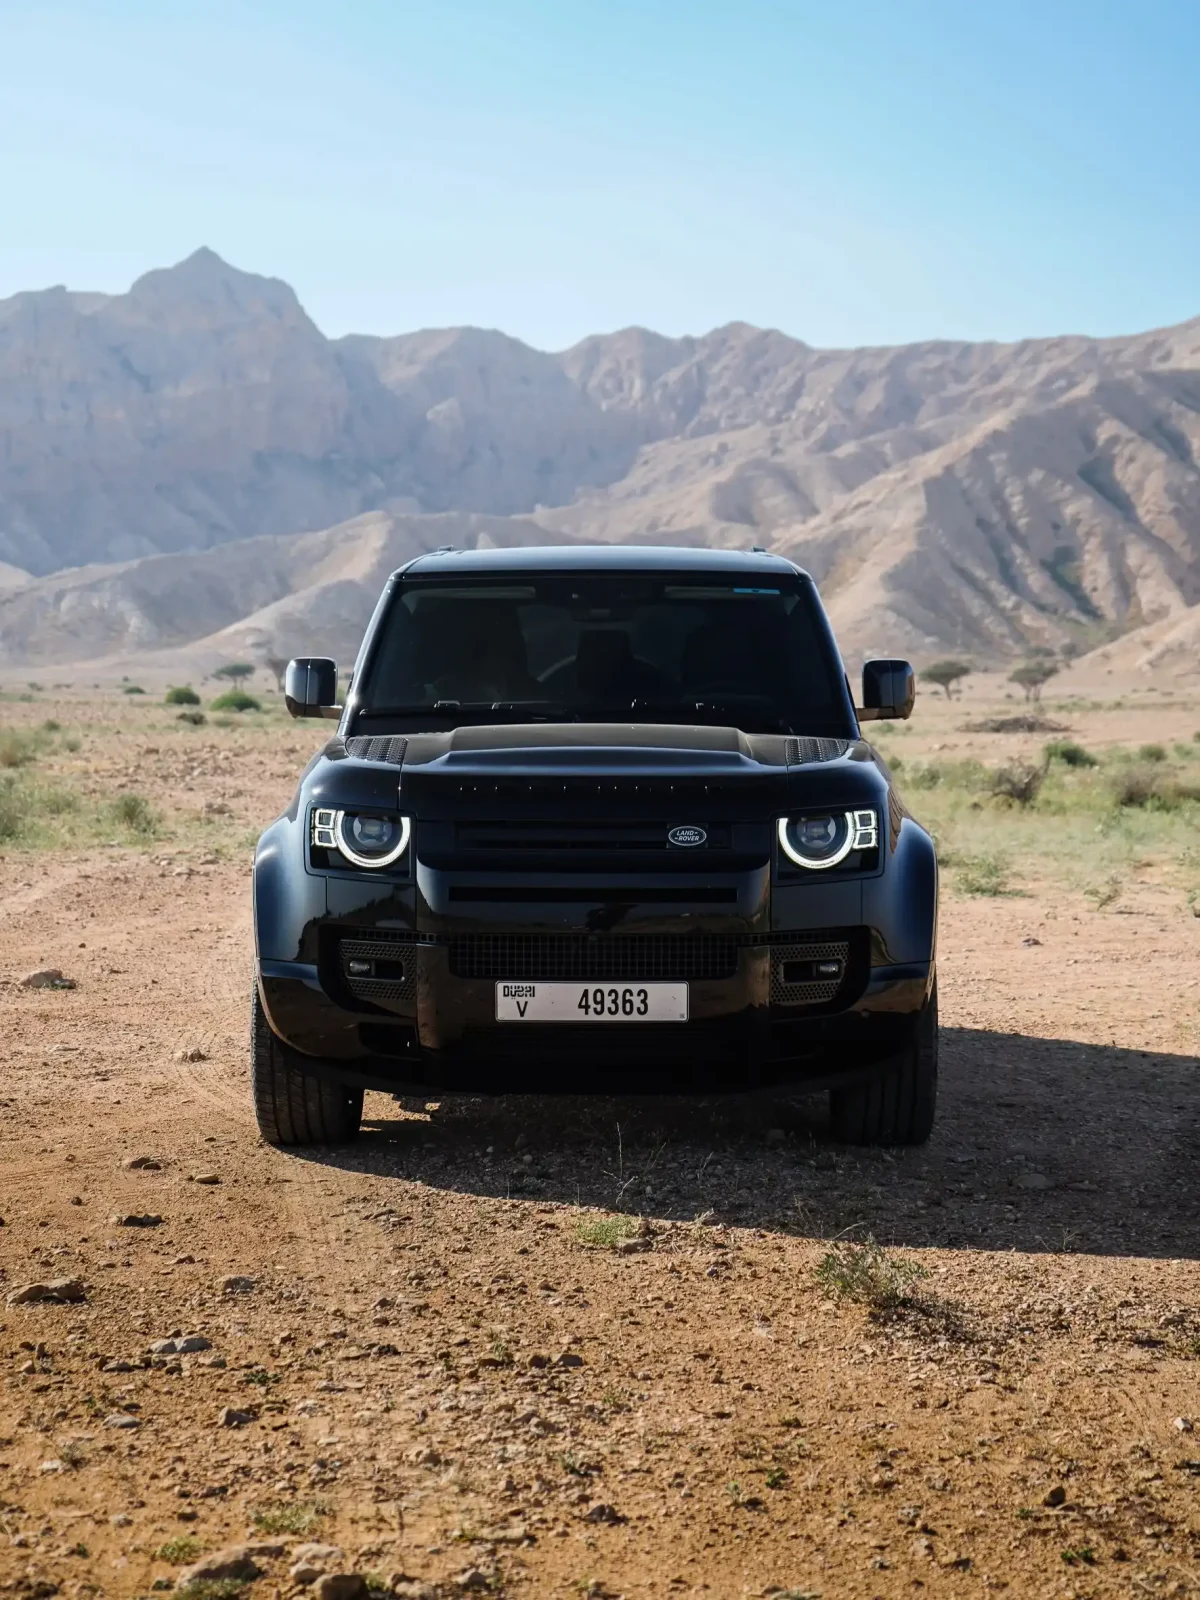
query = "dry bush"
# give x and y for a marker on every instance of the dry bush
(1018, 781)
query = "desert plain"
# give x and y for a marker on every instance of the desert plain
(583, 1347)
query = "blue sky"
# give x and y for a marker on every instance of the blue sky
(861, 173)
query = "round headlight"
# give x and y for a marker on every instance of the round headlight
(370, 840)
(827, 838)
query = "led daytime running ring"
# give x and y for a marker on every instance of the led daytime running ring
(862, 833)
(329, 833)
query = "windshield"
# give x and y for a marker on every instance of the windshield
(601, 648)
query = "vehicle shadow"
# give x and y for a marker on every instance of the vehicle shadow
(1041, 1145)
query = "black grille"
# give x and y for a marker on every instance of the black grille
(636, 958)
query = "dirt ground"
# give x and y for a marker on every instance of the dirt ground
(443, 1365)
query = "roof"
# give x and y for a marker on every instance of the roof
(601, 558)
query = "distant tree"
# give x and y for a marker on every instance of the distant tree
(235, 671)
(1031, 676)
(278, 666)
(945, 674)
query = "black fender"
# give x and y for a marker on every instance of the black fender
(289, 900)
(900, 906)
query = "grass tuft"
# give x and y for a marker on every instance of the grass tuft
(865, 1274)
(604, 1232)
(288, 1516)
(179, 1551)
(133, 811)
(985, 874)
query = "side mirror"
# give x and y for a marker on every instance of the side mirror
(310, 687)
(888, 690)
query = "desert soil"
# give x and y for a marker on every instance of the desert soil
(439, 1375)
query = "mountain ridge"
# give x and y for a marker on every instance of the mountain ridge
(947, 494)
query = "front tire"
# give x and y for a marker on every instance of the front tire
(897, 1106)
(292, 1106)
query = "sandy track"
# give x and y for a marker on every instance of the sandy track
(717, 1427)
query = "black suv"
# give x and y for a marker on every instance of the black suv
(596, 820)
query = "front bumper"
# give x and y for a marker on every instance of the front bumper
(735, 1039)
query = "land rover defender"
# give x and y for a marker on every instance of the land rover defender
(596, 820)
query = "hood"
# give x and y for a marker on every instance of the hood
(628, 769)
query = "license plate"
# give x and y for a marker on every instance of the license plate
(591, 1002)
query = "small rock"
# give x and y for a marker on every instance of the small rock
(117, 1366)
(193, 1054)
(604, 1513)
(237, 1561)
(472, 1578)
(1056, 1496)
(538, 1360)
(141, 1164)
(323, 1554)
(631, 1247)
(136, 1219)
(75, 1200)
(53, 1466)
(230, 1417)
(340, 1586)
(46, 978)
(121, 1519)
(59, 1291)
(184, 1261)
(122, 1419)
(180, 1346)
(405, 1588)
(206, 1177)
(1029, 941)
(237, 1285)
(569, 1359)
(775, 1136)
(1031, 1180)
(1184, 1424)
(304, 1572)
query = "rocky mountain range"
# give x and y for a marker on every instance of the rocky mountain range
(169, 458)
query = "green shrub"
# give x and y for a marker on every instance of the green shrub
(72, 742)
(133, 811)
(1069, 753)
(1152, 788)
(17, 749)
(983, 874)
(235, 700)
(50, 726)
(133, 688)
(12, 811)
(196, 719)
(181, 695)
(1151, 752)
